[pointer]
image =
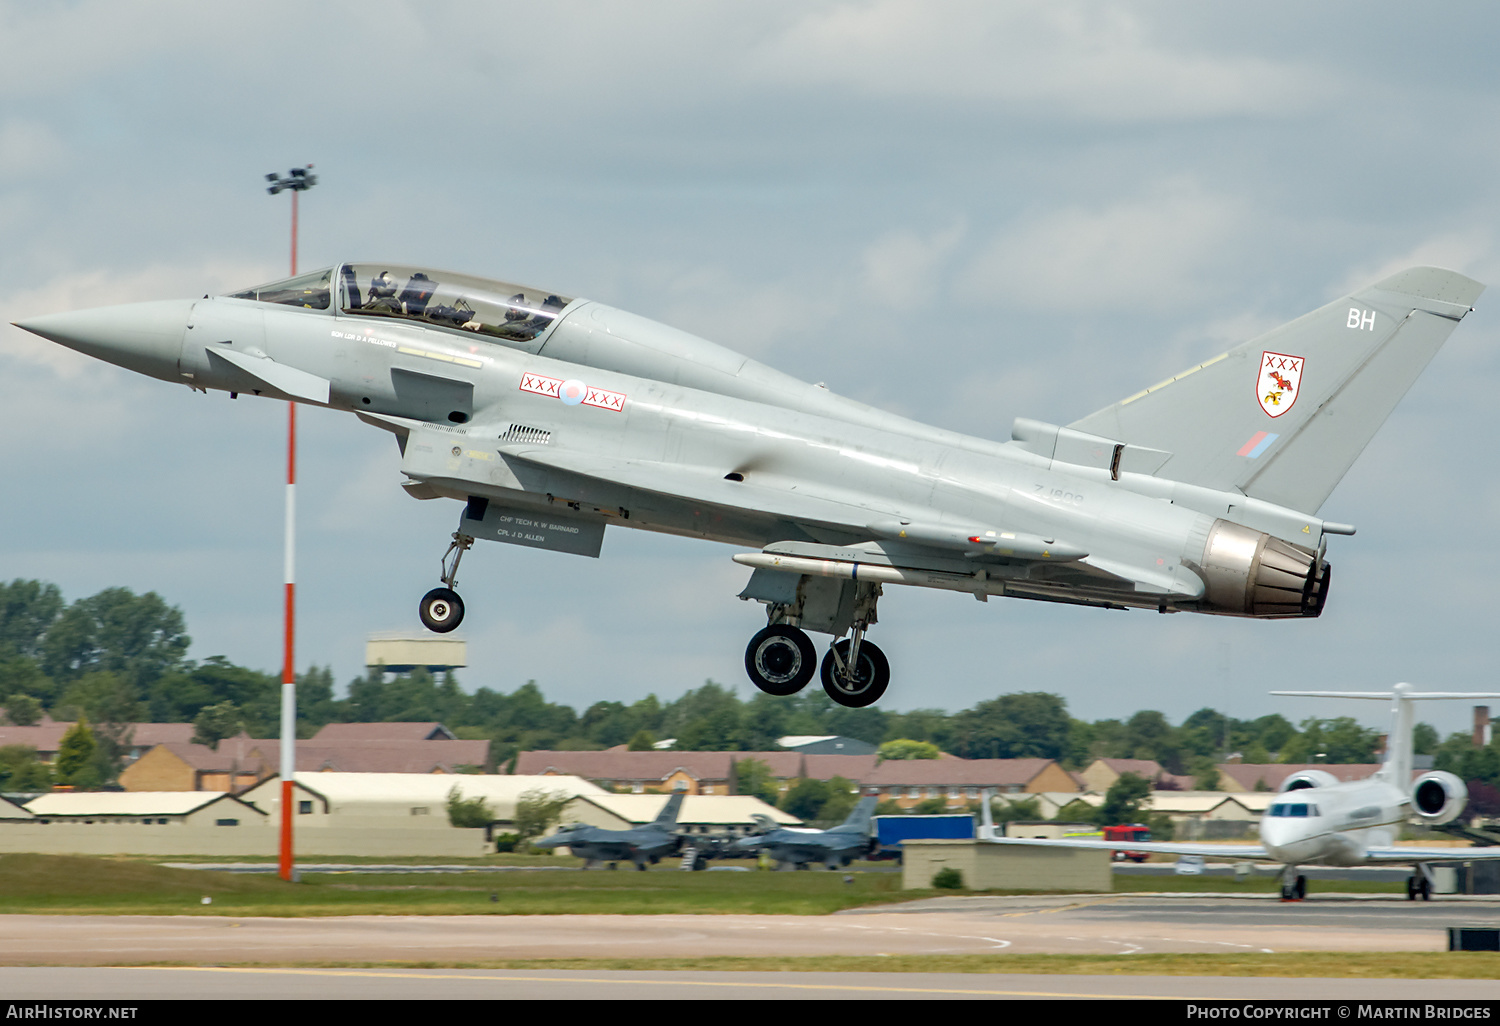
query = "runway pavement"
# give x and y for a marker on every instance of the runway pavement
(222, 984)
(1101, 924)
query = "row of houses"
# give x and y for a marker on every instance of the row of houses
(908, 782)
(162, 757)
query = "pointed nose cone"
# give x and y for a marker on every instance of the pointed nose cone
(143, 337)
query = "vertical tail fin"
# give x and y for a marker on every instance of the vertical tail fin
(1283, 416)
(859, 819)
(1398, 743)
(668, 815)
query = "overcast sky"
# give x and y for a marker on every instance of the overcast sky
(963, 212)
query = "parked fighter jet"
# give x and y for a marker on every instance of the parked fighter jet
(551, 418)
(1319, 821)
(795, 847)
(640, 844)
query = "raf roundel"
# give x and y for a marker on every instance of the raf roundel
(572, 392)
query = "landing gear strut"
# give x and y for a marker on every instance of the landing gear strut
(1293, 885)
(441, 609)
(855, 672)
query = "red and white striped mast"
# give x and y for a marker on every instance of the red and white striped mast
(297, 181)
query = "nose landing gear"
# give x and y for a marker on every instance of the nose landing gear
(441, 610)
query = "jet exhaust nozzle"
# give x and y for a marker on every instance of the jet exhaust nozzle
(1250, 573)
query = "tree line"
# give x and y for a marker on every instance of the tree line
(116, 658)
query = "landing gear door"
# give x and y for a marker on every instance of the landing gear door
(536, 530)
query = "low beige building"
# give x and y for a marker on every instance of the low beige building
(700, 813)
(986, 866)
(406, 800)
(139, 823)
(1051, 803)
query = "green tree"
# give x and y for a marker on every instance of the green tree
(468, 812)
(137, 637)
(1123, 800)
(705, 719)
(1271, 732)
(1030, 724)
(21, 770)
(642, 741)
(1339, 740)
(1148, 735)
(216, 722)
(74, 764)
(1206, 776)
(932, 725)
(1017, 809)
(930, 807)
(842, 796)
(27, 611)
(805, 798)
(1424, 739)
(906, 748)
(1255, 754)
(23, 710)
(536, 811)
(753, 777)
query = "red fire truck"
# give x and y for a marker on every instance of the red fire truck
(1128, 832)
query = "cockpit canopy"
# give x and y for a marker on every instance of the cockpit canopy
(512, 313)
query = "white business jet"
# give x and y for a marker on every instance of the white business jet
(1318, 821)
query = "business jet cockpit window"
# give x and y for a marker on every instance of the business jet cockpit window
(511, 313)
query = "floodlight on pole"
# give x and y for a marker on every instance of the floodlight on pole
(297, 181)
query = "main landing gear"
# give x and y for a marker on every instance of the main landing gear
(1418, 887)
(781, 659)
(441, 609)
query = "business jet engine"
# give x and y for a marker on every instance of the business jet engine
(1438, 797)
(1308, 778)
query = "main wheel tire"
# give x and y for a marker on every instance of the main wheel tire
(869, 680)
(780, 660)
(441, 610)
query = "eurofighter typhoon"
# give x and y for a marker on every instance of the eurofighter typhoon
(551, 418)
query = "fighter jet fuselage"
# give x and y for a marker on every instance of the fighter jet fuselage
(551, 418)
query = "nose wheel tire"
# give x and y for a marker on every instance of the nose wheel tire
(780, 660)
(441, 610)
(855, 686)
